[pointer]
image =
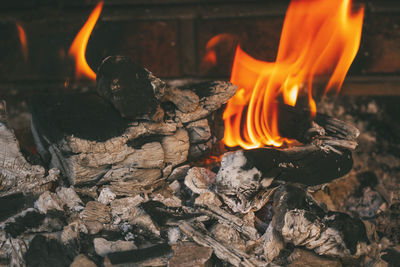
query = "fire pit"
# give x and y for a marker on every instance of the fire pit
(136, 170)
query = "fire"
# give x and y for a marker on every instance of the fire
(23, 40)
(78, 47)
(319, 39)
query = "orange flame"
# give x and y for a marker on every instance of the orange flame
(23, 40)
(319, 38)
(78, 47)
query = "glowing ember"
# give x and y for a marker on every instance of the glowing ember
(78, 47)
(319, 38)
(23, 40)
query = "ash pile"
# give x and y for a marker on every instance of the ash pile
(123, 187)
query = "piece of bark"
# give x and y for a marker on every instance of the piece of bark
(212, 96)
(138, 177)
(199, 131)
(95, 216)
(188, 255)
(185, 100)
(16, 174)
(127, 86)
(228, 236)
(176, 147)
(231, 220)
(198, 150)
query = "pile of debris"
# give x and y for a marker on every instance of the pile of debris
(120, 191)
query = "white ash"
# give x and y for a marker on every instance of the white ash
(48, 201)
(297, 229)
(106, 196)
(68, 196)
(237, 185)
(174, 234)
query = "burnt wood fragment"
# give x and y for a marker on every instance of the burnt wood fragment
(327, 233)
(139, 255)
(85, 116)
(127, 86)
(48, 252)
(308, 164)
(14, 203)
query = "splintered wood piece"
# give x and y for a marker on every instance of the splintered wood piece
(230, 220)
(300, 221)
(16, 174)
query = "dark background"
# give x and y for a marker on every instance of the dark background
(169, 38)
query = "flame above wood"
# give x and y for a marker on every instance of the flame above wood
(319, 39)
(78, 47)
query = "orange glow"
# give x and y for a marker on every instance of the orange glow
(319, 38)
(78, 47)
(23, 40)
(213, 44)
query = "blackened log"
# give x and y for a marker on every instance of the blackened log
(296, 123)
(309, 165)
(127, 86)
(48, 252)
(136, 256)
(14, 203)
(86, 116)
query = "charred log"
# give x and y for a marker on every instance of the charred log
(127, 86)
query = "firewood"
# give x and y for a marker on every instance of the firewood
(89, 140)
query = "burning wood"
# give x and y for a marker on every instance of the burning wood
(91, 142)
(130, 192)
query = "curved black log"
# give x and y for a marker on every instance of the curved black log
(127, 86)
